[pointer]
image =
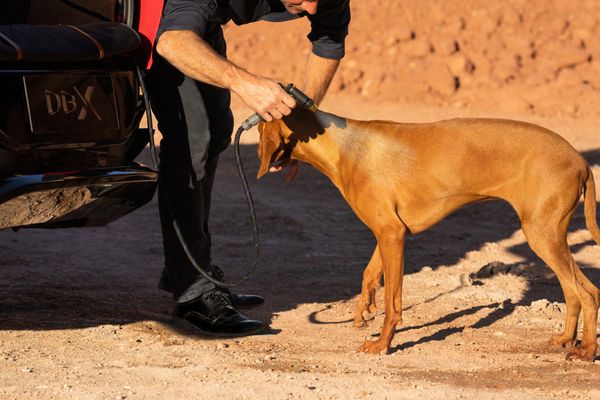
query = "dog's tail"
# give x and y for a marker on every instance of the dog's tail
(589, 209)
(589, 206)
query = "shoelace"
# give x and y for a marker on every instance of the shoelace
(219, 301)
(217, 273)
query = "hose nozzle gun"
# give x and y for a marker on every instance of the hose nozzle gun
(301, 99)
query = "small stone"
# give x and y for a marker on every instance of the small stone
(541, 304)
(427, 268)
(417, 48)
(404, 33)
(439, 79)
(222, 346)
(457, 64)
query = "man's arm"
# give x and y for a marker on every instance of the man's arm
(187, 52)
(329, 28)
(318, 76)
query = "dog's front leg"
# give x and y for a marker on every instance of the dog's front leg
(367, 307)
(391, 248)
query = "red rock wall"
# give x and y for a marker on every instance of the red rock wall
(540, 57)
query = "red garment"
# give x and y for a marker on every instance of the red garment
(150, 12)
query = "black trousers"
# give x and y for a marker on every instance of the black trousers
(196, 122)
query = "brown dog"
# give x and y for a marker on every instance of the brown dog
(402, 178)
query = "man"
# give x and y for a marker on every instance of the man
(190, 83)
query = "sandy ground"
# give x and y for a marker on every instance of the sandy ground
(81, 318)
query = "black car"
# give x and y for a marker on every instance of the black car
(70, 107)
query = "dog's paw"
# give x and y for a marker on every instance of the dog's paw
(369, 313)
(561, 341)
(364, 316)
(581, 353)
(360, 323)
(373, 347)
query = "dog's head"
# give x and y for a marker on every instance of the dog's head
(279, 139)
(271, 145)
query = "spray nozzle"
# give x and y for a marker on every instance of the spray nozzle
(301, 99)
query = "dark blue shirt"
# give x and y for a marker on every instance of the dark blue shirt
(329, 26)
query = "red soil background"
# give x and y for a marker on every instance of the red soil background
(516, 56)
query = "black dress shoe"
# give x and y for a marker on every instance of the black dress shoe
(239, 301)
(213, 314)
(244, 301)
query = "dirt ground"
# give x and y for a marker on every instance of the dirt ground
(81, 317)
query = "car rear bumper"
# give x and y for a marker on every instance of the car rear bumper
(75, 198)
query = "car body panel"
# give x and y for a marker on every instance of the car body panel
(69, 124)
(74, 198)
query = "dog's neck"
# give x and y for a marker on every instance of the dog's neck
(316, 138)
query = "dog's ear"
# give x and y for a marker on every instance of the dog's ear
(269, 145)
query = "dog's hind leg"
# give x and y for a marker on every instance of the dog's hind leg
(390, 241)
(367, 307)
(560, 265)
(590, 300)
(547, 234)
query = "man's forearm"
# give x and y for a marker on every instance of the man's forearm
(187, 52)
(319, 73)
(191, 55)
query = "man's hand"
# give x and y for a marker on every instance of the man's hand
(264, 96)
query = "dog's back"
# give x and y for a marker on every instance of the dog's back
(456, 162)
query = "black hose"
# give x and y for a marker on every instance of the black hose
(242, 175)
(126, 12)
